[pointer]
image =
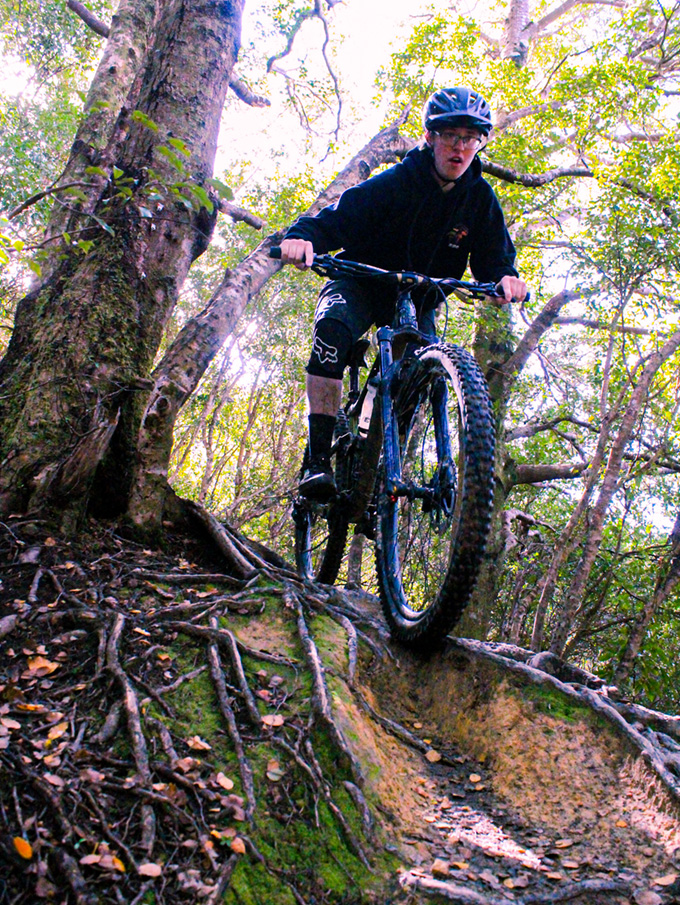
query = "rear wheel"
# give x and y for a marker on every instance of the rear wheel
(431, 541)
(321, 528)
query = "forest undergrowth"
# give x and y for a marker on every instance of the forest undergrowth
(171, 733)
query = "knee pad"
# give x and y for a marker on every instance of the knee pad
(331, 345)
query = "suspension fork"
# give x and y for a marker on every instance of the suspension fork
(439, 397)
(392, 463)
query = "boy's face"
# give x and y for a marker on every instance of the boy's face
(454, 149)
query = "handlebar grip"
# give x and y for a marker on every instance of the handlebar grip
(275, 252)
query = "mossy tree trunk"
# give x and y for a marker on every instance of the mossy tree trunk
(73, 378)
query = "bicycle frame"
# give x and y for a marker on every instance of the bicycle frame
(404, 330)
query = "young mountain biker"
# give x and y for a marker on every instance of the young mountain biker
(431, 213)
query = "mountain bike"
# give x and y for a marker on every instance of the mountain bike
(413, 458)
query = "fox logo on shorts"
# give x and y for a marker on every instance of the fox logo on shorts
(324, 352)
(326, 302)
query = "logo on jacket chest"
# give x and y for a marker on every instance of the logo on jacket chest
(457, 236)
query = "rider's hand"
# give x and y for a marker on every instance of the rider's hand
(298, 252)
(511, 288)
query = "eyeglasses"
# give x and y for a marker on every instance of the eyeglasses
(454, 139)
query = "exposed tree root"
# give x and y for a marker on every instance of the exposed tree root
(652, 746)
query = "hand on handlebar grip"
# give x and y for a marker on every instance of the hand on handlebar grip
(298, 252)
(511, 289)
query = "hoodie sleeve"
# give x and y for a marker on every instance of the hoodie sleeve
(352, 219)
(492, 253)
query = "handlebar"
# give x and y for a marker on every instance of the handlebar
(333, 267)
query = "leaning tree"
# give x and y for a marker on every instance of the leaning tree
(85, 423)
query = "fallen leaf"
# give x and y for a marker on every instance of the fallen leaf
(621, 823)
(31, 708)
(54, 780)
(553, 875)
(461, 865)
(564, 843)
(197, 744)
(275, 771)
(667, 880)
(91, 859)
(273, 719)
(475, 777)
(571, 865)
(433, 756)
(149, 869)
(23, 847)
(118, 864)
(41, 666)
(9, 723)
(224, 781)
(417, 725)
(58, 730)
(238, 845)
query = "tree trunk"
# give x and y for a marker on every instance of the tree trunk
(86, 336)
(609, 487)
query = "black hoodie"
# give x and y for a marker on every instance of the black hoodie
(402, 220)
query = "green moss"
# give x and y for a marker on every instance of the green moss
(546, 699)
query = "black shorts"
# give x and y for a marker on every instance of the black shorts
(356, 305)
(346, 309)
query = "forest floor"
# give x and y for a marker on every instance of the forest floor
(171, 734)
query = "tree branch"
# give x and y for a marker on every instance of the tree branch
(89, 18)
(533, 180)
(244, 93)
(525, 473)
(240, 214)
(535, 28)
(529, 342)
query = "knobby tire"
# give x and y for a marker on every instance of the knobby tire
(429, 551)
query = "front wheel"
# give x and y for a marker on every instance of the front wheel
(431, 540)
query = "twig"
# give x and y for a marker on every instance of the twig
(106, 831)
(187, 677)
